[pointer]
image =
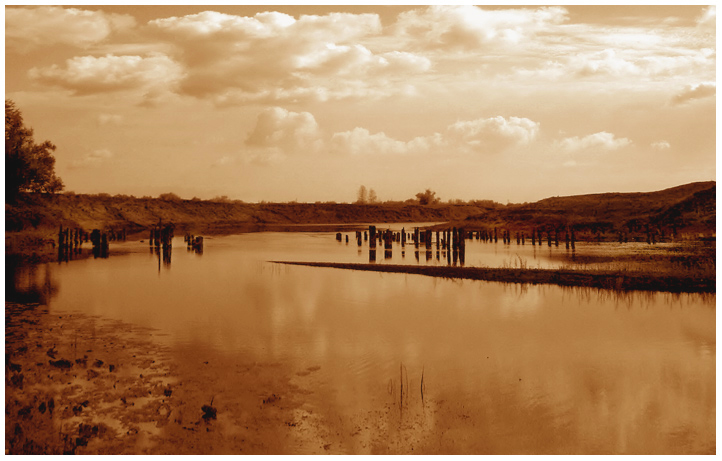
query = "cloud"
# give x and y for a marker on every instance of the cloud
(27, 28)
(490, 135)
(360, 141)
(661, 145)
(494, 134)
(605, 62)
(88, 74)
(291, 132)
(636, 64)
(273, 57)
(698, 91)
(93, 159)
(470, 28)
(603, 141)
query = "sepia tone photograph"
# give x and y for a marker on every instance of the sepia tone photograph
(360, 230)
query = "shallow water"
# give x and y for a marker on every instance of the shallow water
(506, 368)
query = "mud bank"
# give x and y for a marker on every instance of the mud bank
(614, 280)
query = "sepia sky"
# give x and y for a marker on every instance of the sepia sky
(284, 103)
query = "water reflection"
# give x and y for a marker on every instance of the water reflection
(29, 284)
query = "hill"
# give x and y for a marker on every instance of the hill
(689, 209)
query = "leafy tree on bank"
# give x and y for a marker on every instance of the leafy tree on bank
(29, 167)
(427, 198)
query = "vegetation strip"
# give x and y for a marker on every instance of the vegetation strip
(625, 281)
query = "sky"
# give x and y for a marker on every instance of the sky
(308, 103)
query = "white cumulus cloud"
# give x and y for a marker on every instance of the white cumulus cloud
(594, 142)
(31, 27)
(467, 27)
(89, 74)
(698, 91)
(661, 145)
(494, 134)
(282, 129)
(274, 57)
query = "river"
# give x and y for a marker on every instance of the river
(454, 366)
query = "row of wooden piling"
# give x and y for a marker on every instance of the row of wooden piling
(446, 238)
(70, 241)
(195, 242)
(161, 235)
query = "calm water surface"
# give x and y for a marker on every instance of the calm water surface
(506, 368)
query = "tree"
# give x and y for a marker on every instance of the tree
(169, 197)
(427, 198)
(372, 196)
(362, 198)
(29, 167)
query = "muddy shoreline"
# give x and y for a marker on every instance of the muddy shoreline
(614, 280)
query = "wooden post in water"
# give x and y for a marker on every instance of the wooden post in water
(403, 237)
(462, 246)
(372, 239)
